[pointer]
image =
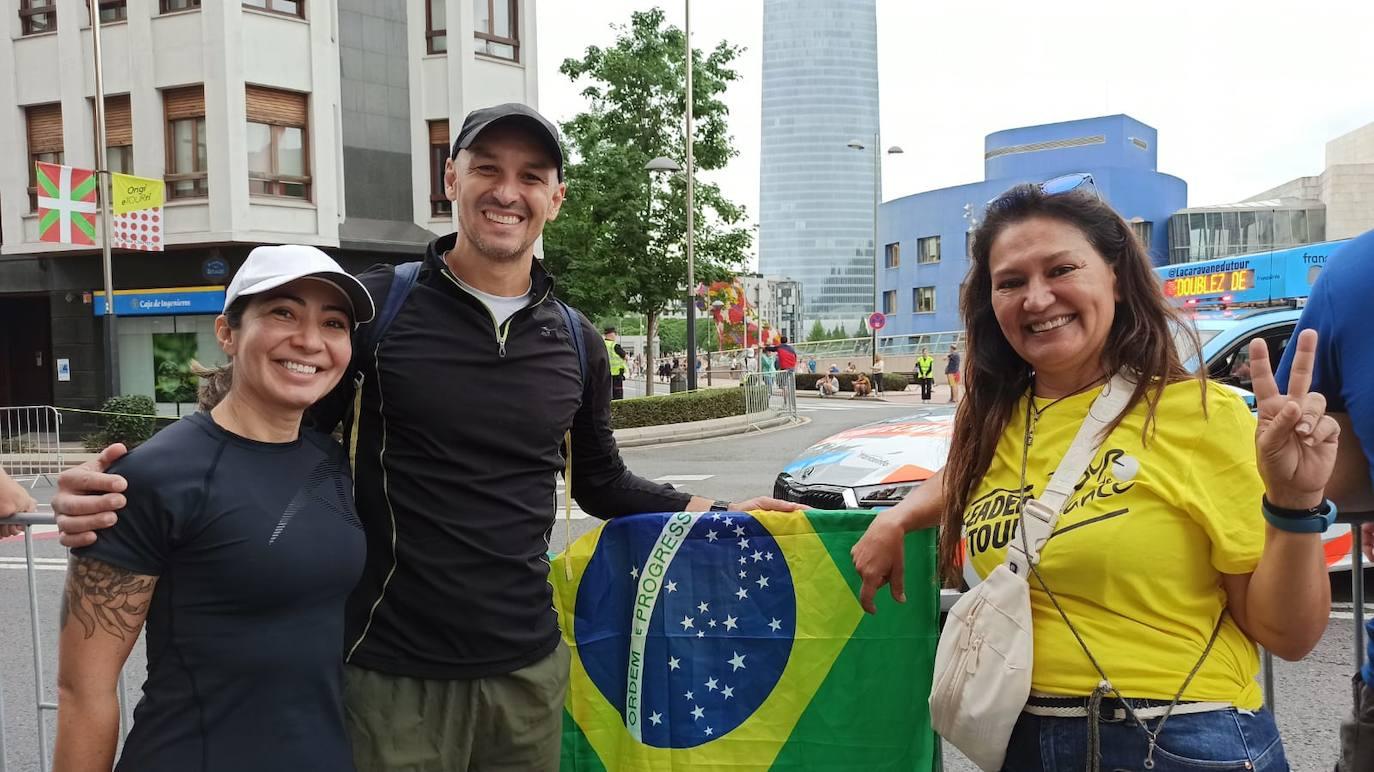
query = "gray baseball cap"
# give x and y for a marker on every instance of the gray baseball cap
(478, 121)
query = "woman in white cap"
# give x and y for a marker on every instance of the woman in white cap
(238, 545)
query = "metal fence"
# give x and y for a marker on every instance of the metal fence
(41, 704)
(775, 390)
(31, 442)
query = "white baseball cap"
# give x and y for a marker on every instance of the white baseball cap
(270, 267)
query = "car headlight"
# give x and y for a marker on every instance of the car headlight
(884, 495)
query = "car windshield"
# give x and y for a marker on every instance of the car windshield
(1185, 346)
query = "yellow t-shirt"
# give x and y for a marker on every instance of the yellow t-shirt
(1137, 557)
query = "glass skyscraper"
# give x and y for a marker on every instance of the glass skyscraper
(820, 91)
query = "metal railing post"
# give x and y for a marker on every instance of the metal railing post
(1357, 590)
(37, 652)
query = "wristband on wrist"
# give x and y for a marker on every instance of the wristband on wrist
(1314, 520)
(719, 506)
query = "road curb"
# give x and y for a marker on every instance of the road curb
(699, 430)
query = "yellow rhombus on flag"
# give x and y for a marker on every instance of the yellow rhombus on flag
(731, 641)
(133, 194)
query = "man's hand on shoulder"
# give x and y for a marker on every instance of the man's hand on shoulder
(87, 498)
(13, 498)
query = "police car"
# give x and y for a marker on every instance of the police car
(877, 464)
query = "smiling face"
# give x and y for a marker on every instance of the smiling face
(1054, 298)
(291, 347)
(505, 187)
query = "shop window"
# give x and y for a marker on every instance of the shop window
(892, 255)
(436, 26)
(45, 143)
(277, 139)
(186, 157)
(439, 205)
(37, 16)
(496, 25)
(923, 300)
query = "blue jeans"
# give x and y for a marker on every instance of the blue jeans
(1218, 741)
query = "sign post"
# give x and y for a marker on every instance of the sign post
(876, 321)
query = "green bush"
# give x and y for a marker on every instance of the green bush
(891, 381)
(677, 408)
(128, 428)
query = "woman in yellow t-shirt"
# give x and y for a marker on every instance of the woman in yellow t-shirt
(1161, 561)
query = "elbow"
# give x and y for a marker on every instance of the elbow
(1293, 650)
(1294, 643)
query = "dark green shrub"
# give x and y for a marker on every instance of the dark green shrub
(677, 408)
(128, 427)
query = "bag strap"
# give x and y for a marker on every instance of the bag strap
(580, 346)
(402, 282)
(575, 333)
(1040, 515)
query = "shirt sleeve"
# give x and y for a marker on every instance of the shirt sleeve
(602, 485)
(1319, 314)
(1224, 486)
(142, 538)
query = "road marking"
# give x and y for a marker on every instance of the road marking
(854, 406)
(42, 564)
(683, 477)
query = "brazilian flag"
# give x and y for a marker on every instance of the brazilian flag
(732, 641)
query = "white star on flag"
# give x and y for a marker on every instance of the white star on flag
(656, 718)
(743, 560)
(634, 573)
(775, 624)
(686, 622)
(708, 729)
(739, 530)
(742, 594)
(744, 544)
(757, 556)
(729, 521)
(701, 634)
(769, 555)
(689, 696)
(742, 574)
(711, 684)
(728, 692)
(671, 586)
(711, 622)
(704, 607)
(763, 582)
(697, 712)
(710, 535)
(737, 661)
(674, 663)
(730, 623)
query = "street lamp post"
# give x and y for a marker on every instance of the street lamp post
(857, 144)
(669, 166)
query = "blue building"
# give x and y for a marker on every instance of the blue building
(925, 236)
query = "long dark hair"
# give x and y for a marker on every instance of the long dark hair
(996, 378)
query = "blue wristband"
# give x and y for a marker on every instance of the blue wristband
(1315, 521)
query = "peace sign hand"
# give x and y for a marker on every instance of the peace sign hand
(1295, 442)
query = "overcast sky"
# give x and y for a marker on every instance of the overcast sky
(1244, 93)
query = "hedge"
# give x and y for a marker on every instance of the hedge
(677, 408)
(127, 428)
(891, 381)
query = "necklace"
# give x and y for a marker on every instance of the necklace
(1033, 413)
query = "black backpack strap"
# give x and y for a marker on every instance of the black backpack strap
(402, 282)
(575, 334)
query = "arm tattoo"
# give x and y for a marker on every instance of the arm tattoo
(101, 595)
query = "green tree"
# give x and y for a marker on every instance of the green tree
(838, 333)
(861, 331)
(817, 332)
(672, 335)
(618, 244)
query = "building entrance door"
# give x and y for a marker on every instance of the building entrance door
(26, 365)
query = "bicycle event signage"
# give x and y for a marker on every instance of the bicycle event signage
(137, 219)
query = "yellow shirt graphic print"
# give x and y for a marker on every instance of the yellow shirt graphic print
(1137, 557)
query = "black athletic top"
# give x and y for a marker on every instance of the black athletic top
(458, 443)
(256, 546)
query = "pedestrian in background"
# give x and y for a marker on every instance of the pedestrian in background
(1343, 377)
(952, 372)
(811, 364)
(238, 544)
(925, 373)
(616, 354)
(1060, 301)
(878, 368)
(14, 498)
(862, 386)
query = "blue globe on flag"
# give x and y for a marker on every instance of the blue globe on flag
(686, 624)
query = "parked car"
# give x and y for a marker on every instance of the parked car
(877, 464)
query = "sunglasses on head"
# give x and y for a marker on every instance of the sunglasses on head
(1055, 186)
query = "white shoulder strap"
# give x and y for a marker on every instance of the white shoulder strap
(1040, 515)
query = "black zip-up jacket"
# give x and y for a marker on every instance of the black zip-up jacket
(459, 432)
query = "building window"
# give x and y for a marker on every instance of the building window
(923, 300)
(288, 7)
(928, 249)
(36, 16)
(45, 143)
(172, 6)
(1143, 230)
(277, 143)
(111, 10)
(495, 21)
(186, 158)
(439, 205)
(892, 255)
(889, 302)
(436, 26)
(119, 134)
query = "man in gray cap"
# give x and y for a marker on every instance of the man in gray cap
(465, 387)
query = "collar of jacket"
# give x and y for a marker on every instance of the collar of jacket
(541, 281)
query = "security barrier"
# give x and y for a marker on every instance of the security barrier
(31, 442)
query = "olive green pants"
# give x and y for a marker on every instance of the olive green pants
(506, 722)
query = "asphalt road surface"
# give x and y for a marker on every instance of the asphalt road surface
(1311, 696)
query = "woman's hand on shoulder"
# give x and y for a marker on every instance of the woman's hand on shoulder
(1295, 440)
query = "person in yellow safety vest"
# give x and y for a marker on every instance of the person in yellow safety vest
(925, 373)
(617, 355)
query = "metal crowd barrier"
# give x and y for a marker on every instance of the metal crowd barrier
(31, 442)
(41, 704)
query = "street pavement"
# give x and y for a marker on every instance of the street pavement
(1311, 695)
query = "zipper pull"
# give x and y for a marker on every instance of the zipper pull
(501, 352)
